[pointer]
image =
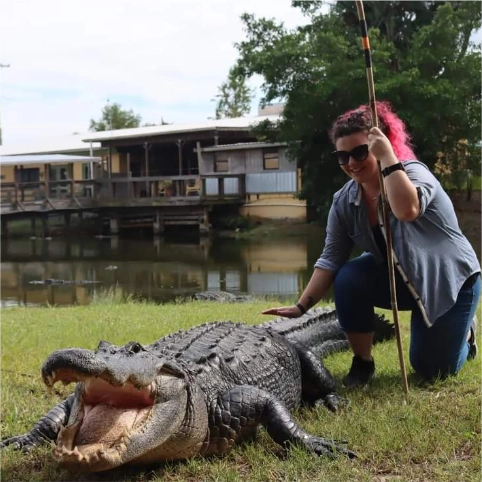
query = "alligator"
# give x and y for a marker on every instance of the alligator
(222, 297)
(51, 281)
(191, 393)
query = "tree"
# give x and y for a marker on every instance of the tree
(397, 21)
(234, 96)
(162, 123)
(424, 64)
(114, 117)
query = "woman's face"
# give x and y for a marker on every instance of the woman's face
(360, 171)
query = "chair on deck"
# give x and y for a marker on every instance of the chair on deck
(166, 188)
(194, 188)
(161, 191)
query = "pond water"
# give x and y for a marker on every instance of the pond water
(159, 270)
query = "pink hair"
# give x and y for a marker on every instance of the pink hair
(389, 123)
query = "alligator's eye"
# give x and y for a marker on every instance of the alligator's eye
(134, 347)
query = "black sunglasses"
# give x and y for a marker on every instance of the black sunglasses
(359, 153)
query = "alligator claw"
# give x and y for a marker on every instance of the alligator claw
(19, 442)
(332, 402)
(330, 448)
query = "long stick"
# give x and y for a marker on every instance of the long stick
(383, 192)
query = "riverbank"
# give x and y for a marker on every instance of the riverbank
(468, 214)
(435, 437)
(275, 229)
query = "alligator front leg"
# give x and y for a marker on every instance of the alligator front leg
(241, 410)
(318, 385)
(45, 430)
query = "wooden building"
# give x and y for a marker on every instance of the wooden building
(161, 175)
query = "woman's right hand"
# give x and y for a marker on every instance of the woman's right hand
(284, 311)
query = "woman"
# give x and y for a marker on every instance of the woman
(437, 271)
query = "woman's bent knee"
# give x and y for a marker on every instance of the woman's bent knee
(355, 276)
(430, 368)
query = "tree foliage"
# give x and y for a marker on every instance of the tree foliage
(114, 117)
(162, 123)
(233, 97)
(424, 62)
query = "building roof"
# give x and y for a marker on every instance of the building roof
(45, 159)
(55, 145)
(242, 145)
(238, 123)
(82, 142)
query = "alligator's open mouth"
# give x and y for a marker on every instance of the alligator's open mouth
(105, 418)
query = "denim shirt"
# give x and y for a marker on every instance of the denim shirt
(430, 252)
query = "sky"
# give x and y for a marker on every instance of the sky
(164, 59)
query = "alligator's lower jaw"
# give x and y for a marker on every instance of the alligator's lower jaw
(89, 458)
(99, 442)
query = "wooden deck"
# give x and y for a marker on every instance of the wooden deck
(120, 192)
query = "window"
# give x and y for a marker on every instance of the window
(270, 159)
(221, 164)
(86, 174)
(28, 175)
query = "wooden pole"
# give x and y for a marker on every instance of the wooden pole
(383, 192)
(146, 162)
(179, 148)
(129, 194)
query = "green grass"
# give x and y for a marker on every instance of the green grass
(435, 437)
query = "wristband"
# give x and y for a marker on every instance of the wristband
(301, 308)
(395, 167)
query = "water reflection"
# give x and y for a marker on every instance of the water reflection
(156, 270)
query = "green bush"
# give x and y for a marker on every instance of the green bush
(236, 222)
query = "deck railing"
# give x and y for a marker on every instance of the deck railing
(43, 195)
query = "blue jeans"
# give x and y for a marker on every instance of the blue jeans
(361, 285)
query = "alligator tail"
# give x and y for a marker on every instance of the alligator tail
(320, 331)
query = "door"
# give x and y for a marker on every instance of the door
(59, 173)
(87, 190)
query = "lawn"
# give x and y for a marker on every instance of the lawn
(434, 436)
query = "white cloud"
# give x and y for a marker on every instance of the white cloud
(160, 58)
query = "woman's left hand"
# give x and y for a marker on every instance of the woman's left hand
(379, 145)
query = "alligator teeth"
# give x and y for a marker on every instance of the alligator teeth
(77, 454)
(67, 434)
(122, 441)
